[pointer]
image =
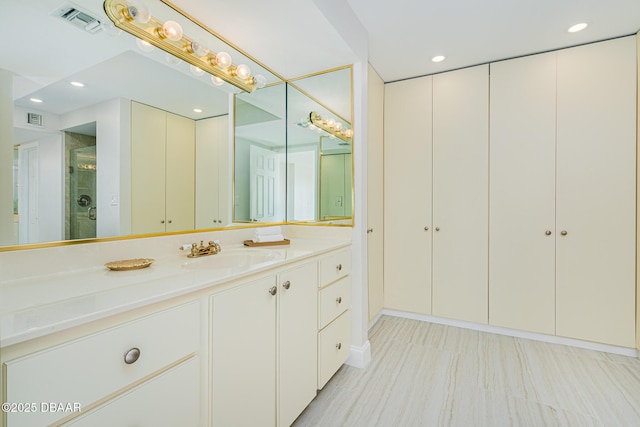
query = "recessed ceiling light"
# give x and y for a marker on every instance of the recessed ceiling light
(197, 110)
(36, 100)
(438, 58)
(578, 27)
(77, 84)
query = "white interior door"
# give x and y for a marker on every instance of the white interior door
(522, 194)
(264, 176)
(28, 193)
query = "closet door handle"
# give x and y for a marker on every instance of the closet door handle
(286, 284)
(273, 290)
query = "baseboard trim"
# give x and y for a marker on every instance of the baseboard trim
(360, 357)
(606, 348)
(375, 320)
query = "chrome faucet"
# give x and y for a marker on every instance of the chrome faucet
(211, 249)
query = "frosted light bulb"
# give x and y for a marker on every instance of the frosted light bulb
(260, 81)
(243, 71)
(172, 59)
(172, 31)
(223, 60)
(144, 46)
(195, 70)
(216, 80)
(338, 126)
(331, 123)
(139, 12)
(199, 49)
(348, 133)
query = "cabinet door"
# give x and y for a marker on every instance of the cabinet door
(168, 400)
(522, 194)
(407, 189)
(297, 325)
(212, 169)
(243, 355)
(596, 192)
(180, 176)
(460, 194)
(375, 185)
(148, 135)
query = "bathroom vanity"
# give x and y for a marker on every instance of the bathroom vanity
(243, 337)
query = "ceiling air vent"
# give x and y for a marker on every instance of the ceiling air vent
(35, 119)
(80, 18)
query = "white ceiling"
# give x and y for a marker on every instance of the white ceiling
(405, 34)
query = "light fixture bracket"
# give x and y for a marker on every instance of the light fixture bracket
(117, 11)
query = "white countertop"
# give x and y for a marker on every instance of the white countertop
(41, 305)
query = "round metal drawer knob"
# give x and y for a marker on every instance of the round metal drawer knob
(286, 284)
(563, 232)
(339, 300)
(426, 229)
(132, 356)
(339, 345)
(548, 232)
(339, 267)
(273, 290)
(437, 228)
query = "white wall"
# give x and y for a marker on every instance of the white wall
(51, 189)
(346, 23)
(113, 161)
(303, 185)
(6, 159)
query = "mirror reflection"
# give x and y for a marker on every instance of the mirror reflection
(102, 135)
(288, 140)
(319, 161)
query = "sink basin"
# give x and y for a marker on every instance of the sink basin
(229, 260)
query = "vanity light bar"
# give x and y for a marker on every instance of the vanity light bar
(184, 47)
(331, 126)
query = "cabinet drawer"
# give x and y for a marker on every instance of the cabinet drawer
(334, 343)
(334, 300)
(170, 399)
(85, 370)
(334, 267)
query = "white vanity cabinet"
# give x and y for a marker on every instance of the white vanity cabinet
(240, 349)
(264, 351)
(94, 369)
(334, 320)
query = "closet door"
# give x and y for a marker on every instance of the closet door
(180, 178)
(407, 195)
(596, 192)
(375, 192)
(212, 160)
(522, 194)
(460, 194)
(148, 136)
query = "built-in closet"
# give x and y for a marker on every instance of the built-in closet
(510, 193)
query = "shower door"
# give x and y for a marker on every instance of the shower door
(82, 198)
